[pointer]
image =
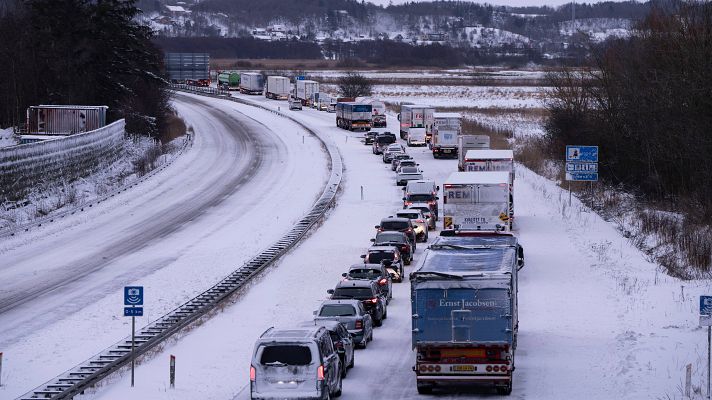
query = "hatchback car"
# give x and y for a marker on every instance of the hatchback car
(427, 213)
(352, 314)
(420, 224)
(396, 224)
(374, 272)
(295, 363)
(406, 163)
(365, 291)
(395, 162)
(343, 342)
(408, 174)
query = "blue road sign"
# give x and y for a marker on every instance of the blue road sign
(133, 311)
(582, 176)
(705, 305)
(572, 166)
(301, 78)
(582, 153)
(133, 295)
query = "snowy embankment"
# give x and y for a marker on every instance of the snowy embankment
(7, 138)
(597, 320)
(176, 234)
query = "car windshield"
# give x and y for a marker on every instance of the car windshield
(394, 225)
(409, 215)
(337, 310)
(367, 273)
(409, 170)
(353, 293)
(418, 198)
(378, 256)
(286, 355)
(395, 237)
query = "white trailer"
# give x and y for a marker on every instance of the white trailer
(307, 91)
(477, 201)
(416, 116)
(251, 83)
(278, 87)
(469, 142)
(447, 121)
(490, 160)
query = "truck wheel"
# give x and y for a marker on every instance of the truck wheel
(378, 321)
(504, 390)
(424, 389)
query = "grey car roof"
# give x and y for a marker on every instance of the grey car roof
(329, 324)
(395, 219)
(295, 333)
(354, 283)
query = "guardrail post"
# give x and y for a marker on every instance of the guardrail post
(0, 368)
(173, 371)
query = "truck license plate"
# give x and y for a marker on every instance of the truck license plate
(464, 368)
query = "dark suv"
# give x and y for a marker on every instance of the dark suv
(374, 272)
(398, 225)
(400, 241)
(367, 292)
(382, 141)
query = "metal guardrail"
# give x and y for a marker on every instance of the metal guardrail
(83, 376)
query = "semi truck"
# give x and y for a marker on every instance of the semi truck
(444, 142)
(307, 91)
(251, 83)
(229, 80)
(190, 68)
(478, 202)
(416, 116)
(464, 312)
(448, 121)
(469, 142)
(277, 87)
(353, 116)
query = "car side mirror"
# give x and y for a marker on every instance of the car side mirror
(404, 199)
(330, 291)
(437, 198)
(344, 274)
(373, 240)
(437, 187)
(363, 256)
(378, 226)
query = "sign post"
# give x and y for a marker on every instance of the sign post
(173, 371)
(706, 320)
(0, 369)
(133, 297)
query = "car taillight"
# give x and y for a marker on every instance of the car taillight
(404, 248)
(419, 221)
(320, 373)
(407, 203)
(431, 202)
(409, 230)
(503, 368)
(382, 282)
(374, 300)
(359, 324)
(489, 368)
(253, 373)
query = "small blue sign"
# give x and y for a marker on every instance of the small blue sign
(133, 311)
(301, 77)
(572, 166)
(582, 176)
(133, 295)
(582, 153)
(705, 305)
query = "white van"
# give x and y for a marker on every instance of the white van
(416, 137)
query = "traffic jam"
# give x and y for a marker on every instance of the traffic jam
(463, 289)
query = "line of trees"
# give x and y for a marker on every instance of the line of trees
(80, 52)
(647, 102)
(240, 47)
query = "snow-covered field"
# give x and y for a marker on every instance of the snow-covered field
(597, 320)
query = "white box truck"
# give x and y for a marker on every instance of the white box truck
(477, 201)
(278, 87)
(416, 116)
(448, 121)
(307, 91)
(469, 142)
(251, 83)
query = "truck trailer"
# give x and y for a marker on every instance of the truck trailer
(278, 87)
(64, 119)
(251, 83)
(477, 202)
(444, 143)
(416, 116)
(378, 112)
(464, 312)
(229, 80)
(469, 142)
(307, 91)
(353, 116)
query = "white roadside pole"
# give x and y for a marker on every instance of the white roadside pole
(706, 320)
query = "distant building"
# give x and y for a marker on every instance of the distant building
(177, 11)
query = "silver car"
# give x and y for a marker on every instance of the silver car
(352, 314)
(391, 151)
(295, 363)
(427, 213)
(406, 174)
(420, 223)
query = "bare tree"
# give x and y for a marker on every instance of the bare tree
(354, 84)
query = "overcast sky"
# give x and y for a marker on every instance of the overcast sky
(499, 2)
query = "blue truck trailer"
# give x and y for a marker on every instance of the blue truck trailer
(464, 311)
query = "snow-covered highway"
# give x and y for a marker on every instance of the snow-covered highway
(177, 234)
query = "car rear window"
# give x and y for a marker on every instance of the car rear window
(390, 237)
(409, 170)
(413, 215)
(420, 197)
(386, 139)
(337, 310)
(353, 292)
(424, 210)
(394, 225)
(375, 257)
(407, 163)
(286, 354)
(367, 273)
